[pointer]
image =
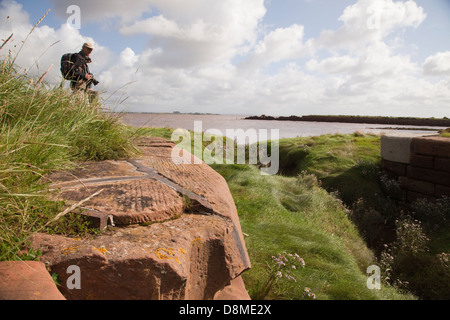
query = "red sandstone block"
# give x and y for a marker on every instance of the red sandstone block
(430, 175)
(27, 280)
(417, 186)
(434, 146)
(422, 161)
(398, 168)
(442, 164)
(442, 190)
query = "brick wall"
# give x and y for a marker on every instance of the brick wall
(425, 172)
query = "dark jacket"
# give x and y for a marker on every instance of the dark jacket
(81, 66)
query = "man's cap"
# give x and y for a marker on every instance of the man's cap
(88, 45)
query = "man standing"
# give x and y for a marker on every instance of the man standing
(83, 79)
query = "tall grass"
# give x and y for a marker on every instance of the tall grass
(43, 129)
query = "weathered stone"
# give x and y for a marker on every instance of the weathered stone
(417, 186)
(442, 164)
(396, 148)
(192, 258)
(422, 161)
(399, 169)
(129, 202)
(434, 146)
(27, 280)
(429, 175)
(195, 250)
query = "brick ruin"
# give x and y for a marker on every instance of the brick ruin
(420, 164)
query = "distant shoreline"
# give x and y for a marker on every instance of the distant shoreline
(406, 121)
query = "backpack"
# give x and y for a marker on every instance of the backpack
(68, 66)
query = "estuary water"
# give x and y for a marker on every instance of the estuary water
(287, 129)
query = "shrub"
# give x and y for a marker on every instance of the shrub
(433, 214)
(408, 265)
(370, 223)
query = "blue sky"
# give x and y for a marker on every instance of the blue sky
(277, 57)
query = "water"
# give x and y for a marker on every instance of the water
(287, 129)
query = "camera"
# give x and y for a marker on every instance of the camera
(93, 80)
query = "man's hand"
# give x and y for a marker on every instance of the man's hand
(88, 76)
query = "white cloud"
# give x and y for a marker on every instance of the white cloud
(370, 21)
(282, 44)
(438, 64)
(189, 63)
(338, 64)
(199, 32)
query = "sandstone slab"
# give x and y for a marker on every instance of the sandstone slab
(177, 233)
(27, 280)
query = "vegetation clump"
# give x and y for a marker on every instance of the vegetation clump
(409, 240)
(44, 129)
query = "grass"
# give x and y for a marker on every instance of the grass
(44, 129)
(335, 160)
(445, 133)
(349, 167)
(297, 216)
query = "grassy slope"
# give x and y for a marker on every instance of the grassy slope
(296, 216)
(336, 160)
(350, 164)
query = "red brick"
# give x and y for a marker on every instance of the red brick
(430, 175)
(416, 185)
(442, 164)
(434, 146)
(398, 168)
(422, 161)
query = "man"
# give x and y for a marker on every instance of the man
(82, 77)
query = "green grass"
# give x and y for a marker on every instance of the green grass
(44, 129)
(341, 162)
(297, 216)
(349, 166)
(445, 133)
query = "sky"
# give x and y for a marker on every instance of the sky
(251, 57)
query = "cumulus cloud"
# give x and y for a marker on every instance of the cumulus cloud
(213, 57)
(199, 32)
(369, 21)
(438, 64)
(282, 44)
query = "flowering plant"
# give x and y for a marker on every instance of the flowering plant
(282, 268)
(284, 263)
